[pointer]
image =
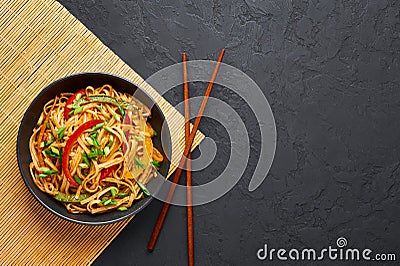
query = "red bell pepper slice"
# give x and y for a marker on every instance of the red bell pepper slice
(70, 101)
(68, 148)
(106, 172)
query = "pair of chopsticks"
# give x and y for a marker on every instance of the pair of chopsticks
(189, 137)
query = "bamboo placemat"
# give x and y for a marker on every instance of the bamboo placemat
(40, 41)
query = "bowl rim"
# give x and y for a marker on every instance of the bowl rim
(20, 164)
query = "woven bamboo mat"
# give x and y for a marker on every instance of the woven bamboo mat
(40, 41)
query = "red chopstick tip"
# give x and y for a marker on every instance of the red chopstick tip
(221, 54)
(152, 243)
(183, 56)
(150, 246)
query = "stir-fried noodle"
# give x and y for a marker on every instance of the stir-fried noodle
(93, 151)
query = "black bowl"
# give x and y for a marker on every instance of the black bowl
(73, 84)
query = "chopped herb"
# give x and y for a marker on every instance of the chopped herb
(98, 126)
(94, 133)
(78, 110)
(122, 194)
(51, 172)
(115, 116)
(46, 172)
(102, 201)
(110, 141)
(139, 138)
(122, 209)
(78, 97)
(83, 165)
(121, 111)
(60, 133)
(113, 192)
(120, 149)
(61, 136)
(156, 164)
(92, 155)
(139, 162)
(136, 167)
(96, 142)
(47, 143)
(106, 151)
(155, 133)
(101, 107)
(90, 141)
(85, 159)
(109, 201)
(55, 151)
(109, 130)
(43, 169)
(71, 112)
(95, 152)
(51, 154)
(61, 129)
(143, 188)
(78, 180)
(99, 152)
(47, 124)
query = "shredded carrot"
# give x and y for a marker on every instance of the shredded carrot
(157, 156)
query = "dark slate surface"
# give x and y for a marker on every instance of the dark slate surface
(330, 70)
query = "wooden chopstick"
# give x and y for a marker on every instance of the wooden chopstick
(190, 237)
(188, 145)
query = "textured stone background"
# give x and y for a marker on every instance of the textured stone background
(330, 70)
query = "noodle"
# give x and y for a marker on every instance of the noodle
(93, 151)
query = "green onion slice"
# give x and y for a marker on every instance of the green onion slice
(78, 180)
(143, 188)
